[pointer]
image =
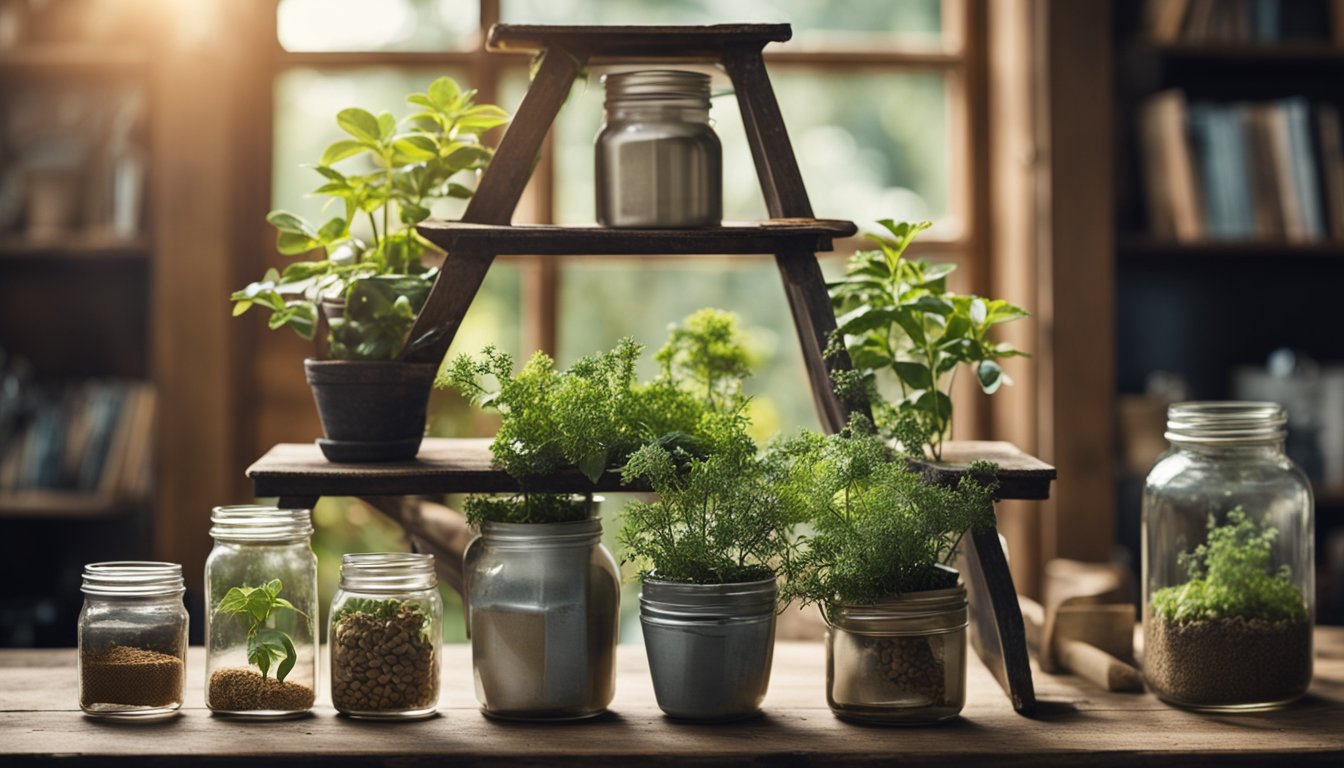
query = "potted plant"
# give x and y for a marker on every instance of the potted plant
(1237, 634)
(710, 548)
(878, 562)
(371, 281)
(897, 320)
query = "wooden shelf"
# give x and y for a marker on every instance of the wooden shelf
(61, 505)
(768, 236)
(464, 465)
(1322, 53)
(1147, 248)
(68, 248)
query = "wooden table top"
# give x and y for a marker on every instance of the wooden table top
(40, 723)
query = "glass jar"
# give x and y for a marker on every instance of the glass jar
(659, 163)
(385, 632)
(901, 660)
(261, 612)
(132, 640)
(543, 600)
(1228, 590)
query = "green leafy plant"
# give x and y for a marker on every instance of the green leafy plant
(527, 508)
(897, 315)
(1230, 575)
(878, 529)
(718, 518)
(705, 354)
(415, 162)
(265, 645)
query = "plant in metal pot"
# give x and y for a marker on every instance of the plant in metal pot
(877, 558)
(370, 280)
(900, 324)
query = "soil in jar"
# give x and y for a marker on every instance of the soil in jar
(384, 664)
(234, 689)
(912, 667)
(1227, 662)
(130, 677)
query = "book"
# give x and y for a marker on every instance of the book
(1303, 158)
(1267, 199)
(1330, 139)
(1175, 202)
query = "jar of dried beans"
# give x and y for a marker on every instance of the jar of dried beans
(261, 612)
(132, 640)
(899, 660)
(384, 637)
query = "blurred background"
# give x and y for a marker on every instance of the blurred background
(143, 141)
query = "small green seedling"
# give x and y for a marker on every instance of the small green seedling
(265, 645)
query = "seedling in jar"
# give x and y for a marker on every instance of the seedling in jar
(265, 645)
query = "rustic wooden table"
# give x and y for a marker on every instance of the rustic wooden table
(1077, 724)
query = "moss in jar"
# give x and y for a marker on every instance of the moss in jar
(383, 657)
(1237, 632)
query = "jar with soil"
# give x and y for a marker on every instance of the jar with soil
(1228, 576)
(543, 603)
(901, 660)
(132, 640)
(261, 613)
(384, 637)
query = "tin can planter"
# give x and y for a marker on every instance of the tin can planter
(543, 600)
(900, 660)
(710, 646)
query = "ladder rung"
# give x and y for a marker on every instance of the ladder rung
(638, 41)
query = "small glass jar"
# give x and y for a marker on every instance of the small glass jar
(901, 660)
(385, 632)
(659, 162)
(1228, 561)
(543, 603)
(132, 640)
(261, 612)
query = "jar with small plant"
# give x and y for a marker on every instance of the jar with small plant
(385, 635)
(1227, 562)
(908, 337)
(878, 561)
(261, 611)
(360, 297)
(710, 548)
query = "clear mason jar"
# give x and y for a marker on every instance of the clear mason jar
(1228, 580)
(900, 660)
(543, 603)
(132, 640)
(265, 668)
(659, 162)
(384, 637)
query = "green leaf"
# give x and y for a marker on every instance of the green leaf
(413, 214)
(443, 92)
(291, 656)
(979, 312)
(288, 222)
(241, 306)
(990, 375)
(914, 375)
(912, 323)
(340, 150)
(459, 191)
(863, 319)
(387, 125)
(416, 147)
(332, 230)
(593, 465)
(291, 244)
(359, 123)
(935, 401)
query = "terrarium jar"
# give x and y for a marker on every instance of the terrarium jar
(1228, 588)
(659, 162)
(384, 637)
(261, 548)
(543, 602)
(900, 660)
(132, 640)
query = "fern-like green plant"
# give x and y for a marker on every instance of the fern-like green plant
(878, 529)
(1230, 576)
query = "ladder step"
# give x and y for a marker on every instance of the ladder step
(766, 237)
(635, 41)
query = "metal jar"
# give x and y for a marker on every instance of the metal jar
(710, 646)
(900, 660)
(659, 163)
(543, 610)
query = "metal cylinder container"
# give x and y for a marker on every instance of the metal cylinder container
(659, 163)
(710, 646)
(900, 660)
(543, 610)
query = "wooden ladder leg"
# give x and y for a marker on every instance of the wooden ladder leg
(496, 197)
(997, 632)
(776, 166)
(814, 321)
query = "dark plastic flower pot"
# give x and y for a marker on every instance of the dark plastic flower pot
(370, 410)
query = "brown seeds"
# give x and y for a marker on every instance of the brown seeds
(133, 677)
(1227, 661)
(242, 690)
(383, 664)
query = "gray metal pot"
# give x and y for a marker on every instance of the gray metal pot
(710, 646)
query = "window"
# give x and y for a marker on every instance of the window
(879, 106)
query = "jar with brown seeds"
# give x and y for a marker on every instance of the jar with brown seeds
(385, 636)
